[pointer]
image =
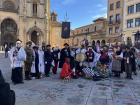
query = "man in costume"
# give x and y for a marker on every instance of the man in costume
(48, 58)
(55, 58)
(17, 57)
(65, 53)
(90, 56)
(29, 60)
(35, 65)
(128, 56)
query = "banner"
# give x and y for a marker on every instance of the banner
(65, 30)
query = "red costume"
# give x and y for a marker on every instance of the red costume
(66, 71)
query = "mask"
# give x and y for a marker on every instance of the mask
(18, 44)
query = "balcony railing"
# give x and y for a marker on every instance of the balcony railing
(114, 22)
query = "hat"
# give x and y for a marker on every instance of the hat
(48, 45)
(35, 47)
(66, 44)
(29, 43)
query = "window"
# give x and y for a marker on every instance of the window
(118, 4)
(110, 19)
(130, 23)
(138, 7)
(34, 9)
(9, 5)
(111, 7)
(131, 9)
(110, 30)
(117, 17)
(95, 28)
(116, 29)
(137, 22)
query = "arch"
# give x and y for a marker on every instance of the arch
(35, 28)
(35, 37)
(35, 34)
(103, 42)
(9, 5)
(93, 42)
(8, 31)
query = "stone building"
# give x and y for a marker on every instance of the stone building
(56, 30)
(25, 20)
(115, 20)
(131, 21)
(93, 32)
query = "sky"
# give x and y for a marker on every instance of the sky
(79, 12)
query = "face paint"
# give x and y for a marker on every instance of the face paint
(18, 44)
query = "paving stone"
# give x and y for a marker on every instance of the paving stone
(53, 91)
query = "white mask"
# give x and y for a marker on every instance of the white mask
(18, 44)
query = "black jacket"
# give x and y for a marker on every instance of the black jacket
(48, 56)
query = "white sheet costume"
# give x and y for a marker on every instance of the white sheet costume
(17, 57)
(41, 61)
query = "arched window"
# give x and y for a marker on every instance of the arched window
(9, 5)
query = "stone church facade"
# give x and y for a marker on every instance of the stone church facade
(25, 20)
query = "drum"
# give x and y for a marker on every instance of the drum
(80, 57)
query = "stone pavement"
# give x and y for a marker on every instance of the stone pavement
(53, 91)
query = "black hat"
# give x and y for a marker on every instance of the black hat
(29, 43)
(48, 45)
(66, 44)
(35, 47)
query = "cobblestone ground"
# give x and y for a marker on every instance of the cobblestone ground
(53, 91)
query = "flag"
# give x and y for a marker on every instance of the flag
(65, 30)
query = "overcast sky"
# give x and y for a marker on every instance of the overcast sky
(79, 12)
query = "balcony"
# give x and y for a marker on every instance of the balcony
(115, 22)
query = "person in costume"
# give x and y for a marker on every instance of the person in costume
(17, 57)
(35, 66)
(55, 54)
(117, 60)
(48, 59)
(41, 61)
(29, 60)
(64, 53)
(128, 56)
(66, 72)
(90, 56)
(80, 60)
(133, 58)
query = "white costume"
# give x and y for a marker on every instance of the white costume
(81, 51)
(41, 61)
(17, 56)
(17, 61)
(96, 58)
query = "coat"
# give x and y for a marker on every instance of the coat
(41, 61)
(48, 57)
(30, 55)
(17, 57)
(66, 71)
(63, 54)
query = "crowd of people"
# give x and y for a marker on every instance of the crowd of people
(94, 62)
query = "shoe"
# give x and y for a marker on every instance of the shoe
(28, 78)
(22, 82)
(47, 75)
(135, 73)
